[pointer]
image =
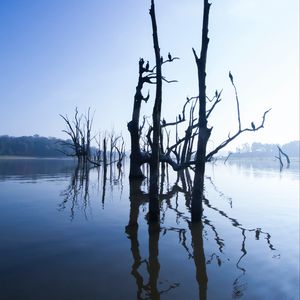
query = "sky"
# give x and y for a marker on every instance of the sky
(56, 55)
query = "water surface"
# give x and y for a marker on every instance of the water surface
(69, 233)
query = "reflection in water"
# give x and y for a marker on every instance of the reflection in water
(217, 259)
(104, 183)
(238, 287)
(78, 189)
(35, 169)
(199, 258)
(145, 290)
(146, 271)
(77, 196)
(220, 193)
(261, 166)
(197, 232)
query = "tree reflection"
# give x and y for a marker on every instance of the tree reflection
(146, 289)
(192, 243)
(76, 196)
(199, 258)
(150, 289)
(174, 202)
(77, 192)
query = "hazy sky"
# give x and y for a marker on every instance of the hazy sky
(59, 54)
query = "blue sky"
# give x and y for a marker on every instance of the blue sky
(59, 54)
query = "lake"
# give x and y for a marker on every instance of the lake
(69, 233)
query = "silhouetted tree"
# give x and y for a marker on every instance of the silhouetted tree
(285, 155)
(156, 116)
(79, 131)
(197, 128)
(204, 131)
(136, 155)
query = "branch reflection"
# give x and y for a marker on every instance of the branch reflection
(77, 192)
(174, 203)
(149, 289)
(76, 196)
(187, 231)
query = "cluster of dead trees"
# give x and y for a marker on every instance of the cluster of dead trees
(110, 147)
(152, 145)
(152, 141)
(79, 132)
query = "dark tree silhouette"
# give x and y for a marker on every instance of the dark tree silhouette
(79, 131)
(203, 131)
(156, 116)
(136, 156)
(285, 155)
(180, 155)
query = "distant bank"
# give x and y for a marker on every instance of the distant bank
(49, 147)
(257, 150)
(33, 147)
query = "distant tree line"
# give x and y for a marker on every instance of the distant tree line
(266, 150)
(33, 146)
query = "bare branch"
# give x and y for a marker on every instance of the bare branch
(230, 139)
(168, 81)
(284, 154)
(195, 54)
(237, 101)
(218, 99)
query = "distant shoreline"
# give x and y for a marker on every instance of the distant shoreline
(33, 157)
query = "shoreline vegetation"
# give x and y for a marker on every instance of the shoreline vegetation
(37, 147)
(36, 157)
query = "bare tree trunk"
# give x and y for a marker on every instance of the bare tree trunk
(156, 115)
(285, 155)
(204, 132)
(89, 122)
(280, 160)
(135, 201)
(104, 153)
(133, 128)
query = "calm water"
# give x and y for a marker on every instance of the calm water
(69, 234)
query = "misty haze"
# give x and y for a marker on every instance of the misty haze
(149, 150)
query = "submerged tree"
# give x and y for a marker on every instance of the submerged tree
(80, 135)
(156, 116)
(79, 132)
(180, 155)
(204, 131)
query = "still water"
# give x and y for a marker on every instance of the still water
(67, 233)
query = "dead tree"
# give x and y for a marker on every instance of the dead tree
(285, 155)
(280, 160)
(156, 115)
(79, 131)
(88, 124)
(121, 152)
(72, 131)
(113, 142)
(97, 156)
(136, 157)
(147, 75)
(203, 131)
(104, 158)
(181, 154)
